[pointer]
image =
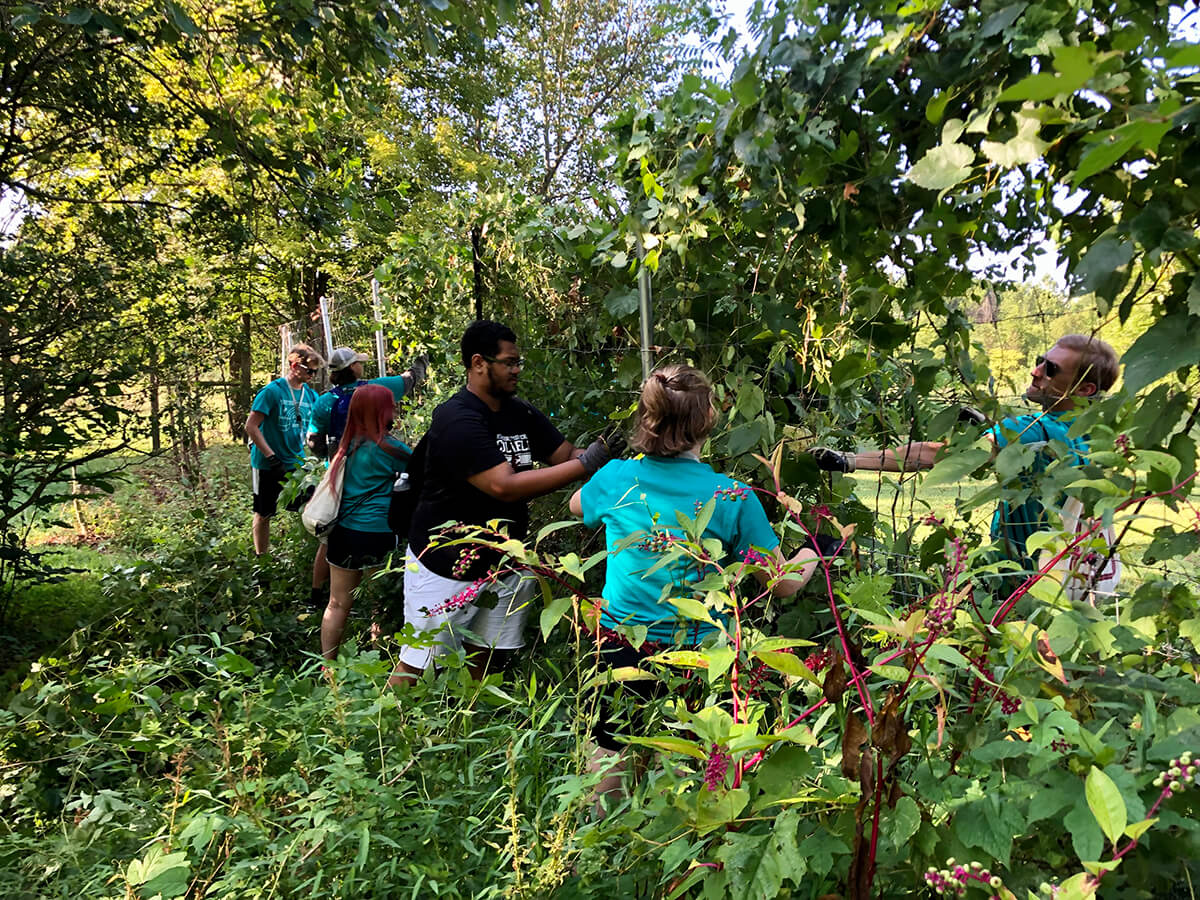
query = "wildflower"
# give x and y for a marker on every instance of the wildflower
(716, 767)
(821, 511)
(815, 662)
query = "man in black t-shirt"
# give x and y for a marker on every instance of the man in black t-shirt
(479, 466)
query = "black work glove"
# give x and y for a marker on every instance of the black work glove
(826, 545)
(972, 416)
(601, 450)
(274, 463)
(419, 370)
(833, 460)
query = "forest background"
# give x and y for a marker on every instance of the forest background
(827, 217)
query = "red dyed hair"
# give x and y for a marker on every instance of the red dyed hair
(372, 409)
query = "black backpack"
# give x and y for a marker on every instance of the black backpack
(407, 491)
(340, 413)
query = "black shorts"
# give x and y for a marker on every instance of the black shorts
(267, 484)
(350, 549)
(622, 706)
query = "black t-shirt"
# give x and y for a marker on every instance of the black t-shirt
(467, 438)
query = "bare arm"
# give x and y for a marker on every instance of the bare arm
(254, 432)
(909, 458)
(566, 450)
(501, 482)
(576, 504)
(786, 587)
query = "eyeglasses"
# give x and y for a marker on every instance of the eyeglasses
(308, 369)
(506, 361)
(1051, 367)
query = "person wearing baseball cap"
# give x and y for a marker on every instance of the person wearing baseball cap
(328, 421)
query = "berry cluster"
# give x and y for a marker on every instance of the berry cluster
(1062, 745)
(467, 557)
(821, 511)
(459, 600)
(819, 660)
(941, 614)
(755, 677)
(1008, 703)
(753, 557)
(737, 492)
(716, 767)
(1123, 446)
(1179, 774)
(658, 542)
(954, 878)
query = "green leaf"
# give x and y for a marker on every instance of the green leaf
(1086, 837)
(902, 822)
(1102, 155)
(956, 466)
(714, 810)
(719, 661)
(942, 167)
(620, 301)
(1106, 804)
(1099, 271)
(669, 744)
(1025, 147)
(787, 663)
(1137, 829)
(552, 613)
(1170, 343)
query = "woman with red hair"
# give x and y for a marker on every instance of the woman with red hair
(361, 540)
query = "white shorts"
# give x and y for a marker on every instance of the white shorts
(442, 607)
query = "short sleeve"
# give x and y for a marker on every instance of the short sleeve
(319, 422)
(754, 528)
(544, 438)
(596, 494)
(266, 401)
(394, 383)
(467, 446)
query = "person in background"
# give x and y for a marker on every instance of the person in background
(479, 467)
(328, 421)
(1076, 370)
(359, 543)
(641, 496)
(275, 427)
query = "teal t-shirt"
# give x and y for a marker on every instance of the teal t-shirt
(1012, 525)
(286, 412)
(367, 485)
(640, 497)
(318, 423)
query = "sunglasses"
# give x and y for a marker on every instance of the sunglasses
(1050, 366)
(511, 363)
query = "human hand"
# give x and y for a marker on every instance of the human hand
(419, 370)
(972, 416)
(833, 460)
(602, 449)
(274, 463)
(826, 546)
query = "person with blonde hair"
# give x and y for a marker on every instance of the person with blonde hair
(641, 497)
(276, 427)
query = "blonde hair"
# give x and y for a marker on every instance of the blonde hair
(675, 411)
(1097, 360)
(306, 355)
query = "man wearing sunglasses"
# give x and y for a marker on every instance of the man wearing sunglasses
(276, 426)
(1075, 370)
(476, 467)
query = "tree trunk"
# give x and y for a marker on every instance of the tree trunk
(155, 420)
(477, 266)
(239, 371)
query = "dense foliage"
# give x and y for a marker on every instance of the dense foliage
(922, 718)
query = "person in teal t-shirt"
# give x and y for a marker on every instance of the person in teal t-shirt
(636, 500)
(275, 427)
(1075, 370)
(325, 426)
(328, 421)
(368, 461)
